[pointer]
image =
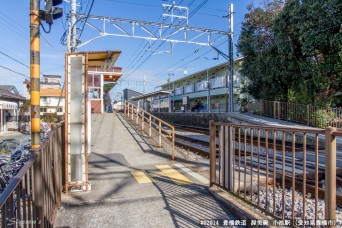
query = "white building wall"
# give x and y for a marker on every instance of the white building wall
(50, 104)
(53, 80)
(26, 93)
(49, 86)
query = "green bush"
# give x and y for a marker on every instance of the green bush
(256, 111)
(243, 102)
(50, 117)
(322, 118)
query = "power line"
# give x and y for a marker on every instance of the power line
(193, 59)
(8, 56)
(22, 31)
(135, 62)
(14, 59)
(14, 71)
(132, 3)
(190, 15)
(141, 50)
(49, 44)
(214, 9)
(91, 6)
(191, 54)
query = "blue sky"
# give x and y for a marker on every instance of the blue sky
(14, 42)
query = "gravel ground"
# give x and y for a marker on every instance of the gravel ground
(310, 204)
(193, 135)
(198, 146)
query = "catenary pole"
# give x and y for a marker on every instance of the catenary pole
(73, 31)
(231, 61)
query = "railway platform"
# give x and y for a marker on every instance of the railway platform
(135, 184)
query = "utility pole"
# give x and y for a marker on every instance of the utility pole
(35, 73)
(72, 30)
(208, 88)
(69, 38)
(231, 61)
(35, 107)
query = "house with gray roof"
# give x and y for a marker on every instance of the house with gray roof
(10, 101)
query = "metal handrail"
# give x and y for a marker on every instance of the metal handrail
(146, 117)
(317, 116)
(16, 180)
(251, 157)
(34, 194)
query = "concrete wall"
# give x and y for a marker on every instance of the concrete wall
(193, 119)
(201, 120)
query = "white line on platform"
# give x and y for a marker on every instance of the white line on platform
(192, 173)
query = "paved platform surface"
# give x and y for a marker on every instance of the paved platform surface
(135, 185)
(264, 120)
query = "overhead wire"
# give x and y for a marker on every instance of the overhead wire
(190, 15)
(19, 29)
(90, 8)
(14, 59)
(132, 3)
(191, 54)
(136, 56)
(132, 71)
(9, 69)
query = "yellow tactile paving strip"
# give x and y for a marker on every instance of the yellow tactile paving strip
(173, 174)
(141, 177)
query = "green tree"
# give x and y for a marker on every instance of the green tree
(293, 52)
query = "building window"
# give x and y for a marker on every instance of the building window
(42, 109)
(94, 93)
(59, 109)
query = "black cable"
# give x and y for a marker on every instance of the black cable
(190, 15)
(17, 60)
(136, 56)
(191, 54)
(14, 59)
(44, 28)
(91, 6)
(14, 71)
(132, 3)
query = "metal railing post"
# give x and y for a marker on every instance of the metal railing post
(330, 174)
(142, 120)
(159, 126)
(230, 159)
(137, 117)
(173, 144)
(212, 153)
(308, 115)
(125, 108)
(150, 127)
(132, 113)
